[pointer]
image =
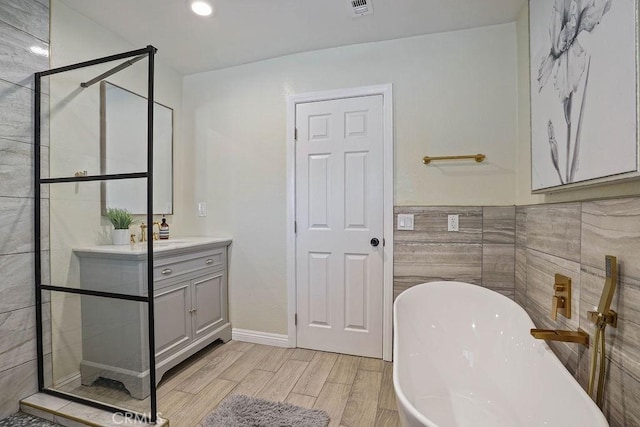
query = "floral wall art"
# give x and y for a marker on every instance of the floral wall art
(583, 91)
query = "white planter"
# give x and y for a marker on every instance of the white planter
(120, 237)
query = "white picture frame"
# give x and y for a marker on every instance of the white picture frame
(584, 93)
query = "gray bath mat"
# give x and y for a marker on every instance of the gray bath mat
(244, 411)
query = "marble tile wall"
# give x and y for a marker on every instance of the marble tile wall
(572, 239)
(482, 252)
(24, 35)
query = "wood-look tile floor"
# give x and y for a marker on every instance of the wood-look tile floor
(354, 391)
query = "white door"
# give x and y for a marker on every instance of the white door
(339, 217)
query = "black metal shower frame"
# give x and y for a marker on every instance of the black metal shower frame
(149, 52)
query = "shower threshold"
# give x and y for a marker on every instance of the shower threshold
(71, 414)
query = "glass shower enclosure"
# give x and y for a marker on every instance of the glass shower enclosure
(95, 325)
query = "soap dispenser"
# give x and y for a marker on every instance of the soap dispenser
(164, 229)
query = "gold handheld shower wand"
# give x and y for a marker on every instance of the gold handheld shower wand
(602, 318)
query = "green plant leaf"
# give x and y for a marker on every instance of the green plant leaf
(120, 218)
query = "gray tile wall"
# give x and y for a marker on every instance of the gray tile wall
(24, 24)
(482, 252)
(572, 239)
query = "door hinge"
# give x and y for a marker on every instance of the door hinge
(295, 227)
(295, 319)
(384, 242)
(295, 134)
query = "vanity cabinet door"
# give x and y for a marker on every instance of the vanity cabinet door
(172, 318)
(209, 296)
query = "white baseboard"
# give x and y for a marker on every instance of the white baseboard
(257, 337)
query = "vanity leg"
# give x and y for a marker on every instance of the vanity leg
(225, 334)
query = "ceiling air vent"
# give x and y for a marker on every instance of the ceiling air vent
(360, 8)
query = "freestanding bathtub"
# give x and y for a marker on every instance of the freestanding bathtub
(464, 357)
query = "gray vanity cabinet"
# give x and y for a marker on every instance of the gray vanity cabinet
(190, 306)
(173, 326)
(208, 311)
(189, 310)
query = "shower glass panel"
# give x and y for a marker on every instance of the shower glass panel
(76, 124)
(97, 349)
(79, 249)
(123, 122)
(95, 319)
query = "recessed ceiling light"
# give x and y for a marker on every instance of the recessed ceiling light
(201, 7)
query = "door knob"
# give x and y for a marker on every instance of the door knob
(375, 242)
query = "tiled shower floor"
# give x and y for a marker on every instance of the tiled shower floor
(24, 420)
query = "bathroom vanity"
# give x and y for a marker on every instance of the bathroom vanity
(190, 307)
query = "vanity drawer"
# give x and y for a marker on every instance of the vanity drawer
(189, 263)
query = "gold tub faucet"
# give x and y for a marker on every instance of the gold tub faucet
(579, 336)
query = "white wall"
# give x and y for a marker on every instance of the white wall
(523, 165)
(523, 159)
(454, 93)
(74, 133)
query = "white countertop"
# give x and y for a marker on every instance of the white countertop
(160, 247)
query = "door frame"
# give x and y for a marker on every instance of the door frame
(386, 91)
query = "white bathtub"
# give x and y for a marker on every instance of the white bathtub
(464, 357)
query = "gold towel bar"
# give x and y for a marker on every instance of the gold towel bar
(477, 157)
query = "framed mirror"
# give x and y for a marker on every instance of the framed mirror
(123, 149)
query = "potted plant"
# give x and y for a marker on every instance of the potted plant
(121, 220)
